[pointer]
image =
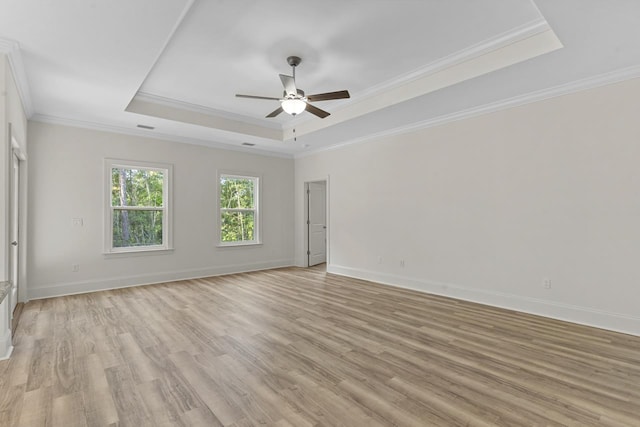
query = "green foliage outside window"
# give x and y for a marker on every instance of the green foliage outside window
(237, 209)
(137, 203)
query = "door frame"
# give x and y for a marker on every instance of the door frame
(327, 203)
(16, 150)
(14, 234)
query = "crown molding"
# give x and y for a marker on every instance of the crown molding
(495, 42)
(611, 77)
(14, 57)
(187, 106)
(484, 58)
(484, 47)
(201, 109)
(102, 127)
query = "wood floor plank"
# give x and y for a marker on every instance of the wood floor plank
(217, 396)
(300, 347)
(129, 405)
(99, 406)
(68, 411)
(11, 405)
(41, 364)
(38, 406)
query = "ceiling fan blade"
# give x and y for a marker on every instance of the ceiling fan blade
(315, 110)
(341, 94)
(257, 97)
(289, 84)
(275, 112)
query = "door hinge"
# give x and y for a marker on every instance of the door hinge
(308, 191)
(308, 252)
(308, 222)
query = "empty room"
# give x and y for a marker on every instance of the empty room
(333, 213)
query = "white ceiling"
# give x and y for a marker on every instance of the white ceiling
(177, 64)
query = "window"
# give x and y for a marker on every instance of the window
(138, 206)
(239, 210)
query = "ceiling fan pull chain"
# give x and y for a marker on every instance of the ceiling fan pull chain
(295, 138)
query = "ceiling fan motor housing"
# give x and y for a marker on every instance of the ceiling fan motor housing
(300, 95)
(294, 61)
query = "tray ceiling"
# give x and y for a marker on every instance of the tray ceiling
(177, 64)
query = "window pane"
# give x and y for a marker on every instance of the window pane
(136, 228)
(237, 193)
(237, 226)
(136, 187)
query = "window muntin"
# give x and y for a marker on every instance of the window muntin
(138, 207)
(239, 221)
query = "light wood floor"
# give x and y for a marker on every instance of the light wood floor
(296, 347)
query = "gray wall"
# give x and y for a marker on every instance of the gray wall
(486, 208)
(66, 178)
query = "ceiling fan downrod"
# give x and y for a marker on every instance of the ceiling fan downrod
(294, 61)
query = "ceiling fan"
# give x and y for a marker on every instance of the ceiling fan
(293, 100)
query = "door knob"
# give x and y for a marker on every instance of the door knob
(14, 243)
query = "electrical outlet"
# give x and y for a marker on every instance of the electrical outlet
(75, 268)
(546, 283)
(77, 222)
(401, 263)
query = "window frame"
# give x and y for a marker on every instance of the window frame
(167, 208)
(257, 218)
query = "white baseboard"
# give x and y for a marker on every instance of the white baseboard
(81, 287)
(570, 313)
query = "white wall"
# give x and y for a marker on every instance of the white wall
(66, 181)
(484, 209)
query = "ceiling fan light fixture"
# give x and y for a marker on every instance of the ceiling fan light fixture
(293, 106)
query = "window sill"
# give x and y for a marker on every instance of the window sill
(137, 252)
(238, 245)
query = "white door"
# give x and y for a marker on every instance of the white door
(317, 222)
(13, 252)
